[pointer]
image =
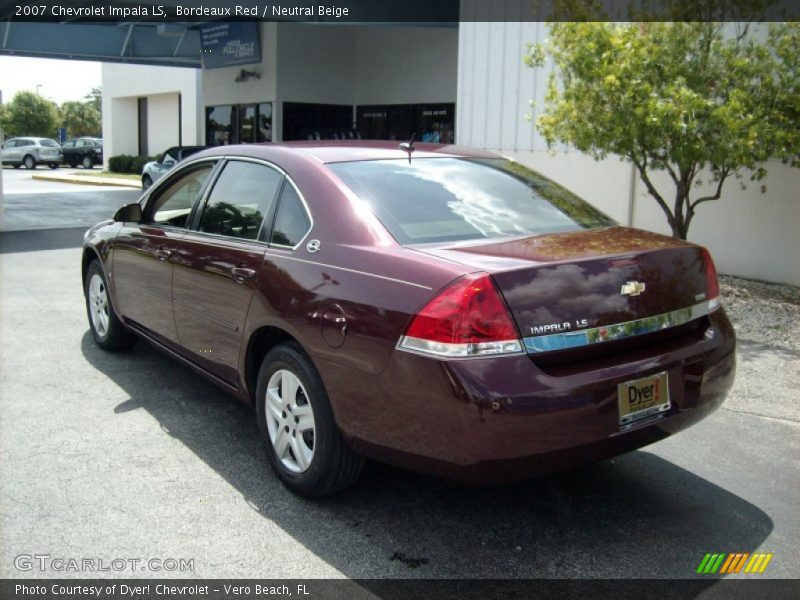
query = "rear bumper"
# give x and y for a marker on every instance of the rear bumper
(499, 419)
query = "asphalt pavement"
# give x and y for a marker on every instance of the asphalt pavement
(29, 204)
(133, 456)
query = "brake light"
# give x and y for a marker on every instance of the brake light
(712, 283)
(468, 318)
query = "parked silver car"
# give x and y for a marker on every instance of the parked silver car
(31, 151)
(152, 171)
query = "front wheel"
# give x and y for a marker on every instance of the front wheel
(87, 162)
(107, 330)
(30, 162)
(304, 445)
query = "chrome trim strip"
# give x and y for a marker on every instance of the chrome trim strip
(313, 262)
(617, 331)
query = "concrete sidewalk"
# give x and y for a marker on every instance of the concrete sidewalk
(88, 180)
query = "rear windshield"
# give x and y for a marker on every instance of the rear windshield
(454, 199)
(48, 143)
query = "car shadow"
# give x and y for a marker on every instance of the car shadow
(637, 516)
(41, 239)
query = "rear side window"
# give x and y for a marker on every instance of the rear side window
(453, 199)
(292, 221)
(242, 195)
(48, 143)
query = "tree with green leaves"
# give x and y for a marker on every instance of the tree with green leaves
(29, 114)
(700, 100)
(95, 98)
(80, 118)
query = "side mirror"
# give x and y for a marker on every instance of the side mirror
(130, 213)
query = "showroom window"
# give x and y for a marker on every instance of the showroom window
(431, 122)
(238, 124)
(305, 121)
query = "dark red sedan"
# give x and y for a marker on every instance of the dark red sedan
(441, 309)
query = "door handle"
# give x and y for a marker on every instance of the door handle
(242, 273)
(163, 253)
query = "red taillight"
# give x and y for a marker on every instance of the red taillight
(712, 283)
(467, 318)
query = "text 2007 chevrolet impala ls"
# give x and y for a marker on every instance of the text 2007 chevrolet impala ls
(440, 309)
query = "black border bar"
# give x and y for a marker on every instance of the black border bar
(396, 589)
(396, 11)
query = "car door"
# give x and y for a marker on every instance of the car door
(12, 152)
(7, 151)
(143, 252)
(68, 148)
(217, 264)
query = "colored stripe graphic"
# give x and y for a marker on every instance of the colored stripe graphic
(727, 563)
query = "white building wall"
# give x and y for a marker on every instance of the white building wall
(123, 84)
(163, 122)
(120, 135)
(749, 234)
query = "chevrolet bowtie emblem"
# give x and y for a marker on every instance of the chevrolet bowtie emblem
(632, 288)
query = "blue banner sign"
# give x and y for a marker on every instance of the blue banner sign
(225, 44)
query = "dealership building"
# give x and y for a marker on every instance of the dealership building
(463, 83)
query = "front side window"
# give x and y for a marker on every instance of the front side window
(242, 195)
(291, 222)
(454, 199)
(174, 204)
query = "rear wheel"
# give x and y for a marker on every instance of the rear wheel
(16, 165)
(53, 165)
(304, 445)
(73, 164)
(29, 162)
(87, 162)
(107, 330)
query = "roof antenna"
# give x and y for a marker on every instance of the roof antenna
(409, 146)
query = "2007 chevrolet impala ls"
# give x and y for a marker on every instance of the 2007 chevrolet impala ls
(437, 308)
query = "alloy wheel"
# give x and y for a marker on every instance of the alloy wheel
(290, 421)
(98, 304)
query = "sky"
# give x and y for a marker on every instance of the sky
(60, 80)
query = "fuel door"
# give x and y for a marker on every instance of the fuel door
(334, 326)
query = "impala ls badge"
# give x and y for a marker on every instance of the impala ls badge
(632, 288)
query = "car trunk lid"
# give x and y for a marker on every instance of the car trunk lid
(581, 287)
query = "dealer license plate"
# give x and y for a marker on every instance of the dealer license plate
(642, 398)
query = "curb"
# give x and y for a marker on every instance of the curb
(89, 181)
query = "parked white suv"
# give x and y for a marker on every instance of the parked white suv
(31, 151)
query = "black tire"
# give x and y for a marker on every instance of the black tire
(87, 162)
(16, 165)
(146, 182)
(53, 165)
(333, 466)
(116, 336)
(29, 162)
(73, 164)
